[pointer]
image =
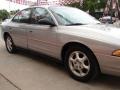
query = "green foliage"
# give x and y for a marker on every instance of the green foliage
(93, 5)
(119, 2)
(4, 14)
(14, 12)
(90, 5)
(77, 5)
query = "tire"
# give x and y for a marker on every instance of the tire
(81, 64)
(9, 44)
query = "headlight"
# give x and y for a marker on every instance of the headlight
(116, 53)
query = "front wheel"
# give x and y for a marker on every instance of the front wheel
(81, 64)
(9, 44)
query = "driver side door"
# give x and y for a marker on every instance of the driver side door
(42, 36)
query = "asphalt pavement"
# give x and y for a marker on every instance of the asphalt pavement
(31, 71)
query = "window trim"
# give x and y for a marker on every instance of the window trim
(21, 11)
(53, 18)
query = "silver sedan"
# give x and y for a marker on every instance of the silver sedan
(85, 46)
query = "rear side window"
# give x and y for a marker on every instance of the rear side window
(22, 16)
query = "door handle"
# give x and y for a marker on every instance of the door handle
(30, 31)
(10, 28)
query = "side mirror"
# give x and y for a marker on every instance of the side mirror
(46, 22)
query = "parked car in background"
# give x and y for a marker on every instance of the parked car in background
(85, 46)
(108, 19)
(117, 24)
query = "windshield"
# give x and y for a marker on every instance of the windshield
(72, 16)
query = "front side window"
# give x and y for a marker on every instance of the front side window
(22, 16)
(39, 15)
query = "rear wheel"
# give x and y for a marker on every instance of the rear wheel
(81, 64)
(9, 44)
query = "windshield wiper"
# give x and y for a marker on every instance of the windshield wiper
(72, 24)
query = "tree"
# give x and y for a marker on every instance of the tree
(13, 12)
(4, 14)
(76, 4)
(90, 5)
(119, 2)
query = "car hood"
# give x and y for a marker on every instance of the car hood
(104, 27)
(95, 28)
(107, 30)
(99, 32)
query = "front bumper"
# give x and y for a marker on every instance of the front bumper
(109, 64)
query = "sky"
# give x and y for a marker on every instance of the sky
(10, 6)
(4, 4)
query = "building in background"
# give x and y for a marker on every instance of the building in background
(47, 2)
(66, 2)
(22, 2)
(56, 2)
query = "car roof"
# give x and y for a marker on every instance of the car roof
(47, 6)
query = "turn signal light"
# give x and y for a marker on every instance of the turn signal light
(116, 53)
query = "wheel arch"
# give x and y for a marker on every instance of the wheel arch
(5, 34)
(71, 44)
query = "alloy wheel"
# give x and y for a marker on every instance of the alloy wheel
(79, 63)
